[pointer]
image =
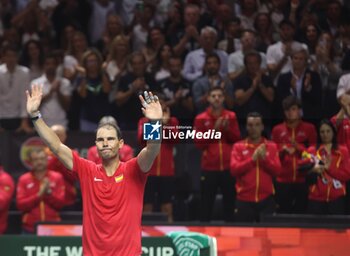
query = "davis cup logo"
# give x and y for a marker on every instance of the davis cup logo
(31, 143)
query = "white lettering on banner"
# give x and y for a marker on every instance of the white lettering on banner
(158, 251)
(54, 250)
(29, 250)
(74, 251)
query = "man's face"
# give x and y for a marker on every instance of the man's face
(255, 127)
(175, 67)
(208, 41)
(191, 16)
(107, 142)
(252, 65)
(114, 25)
(10, 58)
(50, 66)
(248, 41)
(138, 65)
(287, 32)
(293, 113)
(212, 66)
(333, 11)
(299, 60)
(38, 161)
(216, 99)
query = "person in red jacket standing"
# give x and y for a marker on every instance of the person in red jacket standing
(40, 192)
(161, 178)
(254, 163)
(125, 153)
(69, 177)
(7, 188)
(215, 163)
(292, 137)
(326, 195)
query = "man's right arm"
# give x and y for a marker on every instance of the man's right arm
(46, 133)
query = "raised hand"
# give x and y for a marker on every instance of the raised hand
(151, 107)
(34, 99)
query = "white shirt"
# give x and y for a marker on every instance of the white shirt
(51, 109)
(12, 92)
(236, 61)
(343, 85)
(139, 37)
(194, 62)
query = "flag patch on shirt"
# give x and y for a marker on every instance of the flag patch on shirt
(119, 178)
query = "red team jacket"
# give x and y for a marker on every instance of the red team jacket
(216, 152)
(125, 154)
(7, 188)
(304, 135)
(112, 207)
(254, 179)
(69, 178)
(343, 131)
(163, 165)
(331, 185)
(35, 208)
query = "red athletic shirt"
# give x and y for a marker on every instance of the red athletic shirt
(112, 207)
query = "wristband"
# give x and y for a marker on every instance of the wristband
(36, 117)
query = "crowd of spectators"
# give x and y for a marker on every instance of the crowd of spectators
(281, 65)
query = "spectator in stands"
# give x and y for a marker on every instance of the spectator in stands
(249, 10)
(311, 37)
(14, 81)
(327, 65)
(304, 84)
(7, 187)
(222, 17)
(215, 162)
(278, 54)
(236, 60)
(40, 192)
(332, 21)
(231, 42)
(326, 194)
(194, 62)
(292, 137)
(125, 152)
(264, 32)
(211, 79)
(93, 89)
(32, 57)
(129, 88)
(70, 178)
(57, 93)
(160, 186)
(343, 92)
(253, 91)
(161, 67)
(114, 27)
(254, 163)
(177, 92)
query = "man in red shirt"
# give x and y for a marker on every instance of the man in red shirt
(7, 188)
(254, 163)
(40, 192)
(161, 182)
(215, 161)
(292, 137)
(125, 153)
(112, 192)
(69, 177)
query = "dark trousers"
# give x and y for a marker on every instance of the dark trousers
(335, 207)
(291, 197)
(10, 124)
(251, 212)
(211, 181)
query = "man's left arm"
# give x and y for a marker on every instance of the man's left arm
(271, 162)
(152, 110)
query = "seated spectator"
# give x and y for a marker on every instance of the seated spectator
(304, 84)
(125, 153)
(211, 79)
(177, 92)
(231, 42)
(160, 183)
(32, 57)
(194, 62)
(130, 86)
(254, 164)
(161, 68)
(14, 82)
(329, 174)
(334, 14)
(155, 40)
(292, 137)
(253, 91)
(7, 188)
(249, 9)
(215, 161)
(40, 193)
(94, 89)
(222, 17)
(236, 59)
(56, 93)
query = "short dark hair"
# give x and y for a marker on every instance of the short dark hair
(212, 55)
(216, 88)
(115, 127)
(9, 48)
(255, 115)
(251, 54)
(286, 22)
(290, 101)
